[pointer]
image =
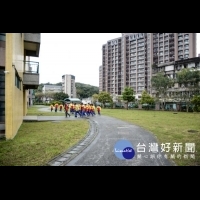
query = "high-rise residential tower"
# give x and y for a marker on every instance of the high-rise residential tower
(128, 60)
(68, 85)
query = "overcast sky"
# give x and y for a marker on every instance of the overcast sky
(78, 54)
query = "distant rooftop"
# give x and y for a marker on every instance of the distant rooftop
(72, 99)
(52, 86)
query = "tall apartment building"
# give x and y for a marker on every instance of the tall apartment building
(100, 78)
(128, 60)
(68, 85)
(17, 76)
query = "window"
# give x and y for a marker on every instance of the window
(2, 37)
(17, 81)
(186, 46)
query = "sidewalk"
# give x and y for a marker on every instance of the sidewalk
(49, 118)
(110, 130)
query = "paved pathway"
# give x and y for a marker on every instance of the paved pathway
(110, 130)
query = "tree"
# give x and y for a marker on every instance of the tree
(146, 98)
(39, 89)
(60, 96)
(127, 95)
(104, 97)
(188, 80)
(48, 95)
(95, 98)
(160, 84)
(85, 90)
(60, 84)
(196, 101)
(38, 97)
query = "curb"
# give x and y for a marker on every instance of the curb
(64, 158)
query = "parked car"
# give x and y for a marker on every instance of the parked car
(148, 106)
(119, 105)
(132, 105)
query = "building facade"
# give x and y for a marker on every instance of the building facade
(17, 76)
(30, 92)
(68, 85)
(100, 79)
(52, 88)
(178, 92)
(30, 97)
(47, 90)
(128, 60)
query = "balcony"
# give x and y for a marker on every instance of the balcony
(31, 75)
(32, 44)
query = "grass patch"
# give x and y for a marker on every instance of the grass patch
(35, 110)
(36, 143)
(167, 127)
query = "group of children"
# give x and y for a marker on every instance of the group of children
(56, 107)
(77, 109)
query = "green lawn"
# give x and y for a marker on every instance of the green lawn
(36, 143)
(34, 110)
(167, 127)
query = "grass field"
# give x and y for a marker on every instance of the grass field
(38, 142)
(168, 128)
(45, 111)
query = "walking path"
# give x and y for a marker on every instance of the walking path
(110, 130)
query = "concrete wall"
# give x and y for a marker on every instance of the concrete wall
(32, 37)
(31, 79)
(2, 53)
(15, 99)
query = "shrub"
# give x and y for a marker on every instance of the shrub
(54, 102)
